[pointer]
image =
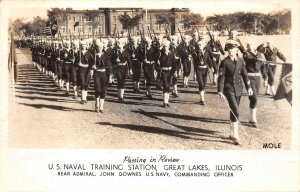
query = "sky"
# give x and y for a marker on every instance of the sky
(205, 8)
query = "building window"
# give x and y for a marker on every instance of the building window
(74, 19)
(88, 18)
(80, 28)
(90, 28)
(100, 19)
(148, 26)
(63, 29)
(156, 27)
(58, 18)
(65, 18)
(181, 26)
(100, 29)
(80, 18)
(148, 18)
(114, 19)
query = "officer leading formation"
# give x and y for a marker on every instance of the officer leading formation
(161, 60)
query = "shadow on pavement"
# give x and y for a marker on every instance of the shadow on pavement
(54, 107)
(184, 117)
(58, 99)
(157, 130)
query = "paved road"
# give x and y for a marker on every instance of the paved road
(42, 116)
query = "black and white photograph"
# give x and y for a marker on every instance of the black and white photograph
(150, 88)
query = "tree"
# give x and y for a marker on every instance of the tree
(246, 22)
(272, 27)
(51, 13)
(190, 20)
(220, 22)
(129, 23)
(252, 22)
(166, 18)
(26, 28)
(92, 14)
(17, 26)
(37, 25)
(284, 20)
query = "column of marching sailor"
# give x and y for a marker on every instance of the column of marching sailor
(162, 59)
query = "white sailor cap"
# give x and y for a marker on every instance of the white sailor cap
(84, 42)
(148, 39)
(187, 37)
(174, 37)
(201, 44)
(97, 41)
(230, 43)
(99, 47)
(215, 33)
(104, 41)
(166, 43)
(123, 40)
(135, 39)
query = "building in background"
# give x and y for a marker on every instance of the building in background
(105, 21)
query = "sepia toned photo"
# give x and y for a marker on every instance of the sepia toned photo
(151, 79)
(149, 96)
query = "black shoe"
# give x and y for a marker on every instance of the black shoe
(82, 102)
(214, 83)
(101, 111)
(175, 94)
(149, 96)
(138, 91)
(235, 140)
(168, 105)
(253, 124)
(121, 100)
(164, 105)
(202, 102)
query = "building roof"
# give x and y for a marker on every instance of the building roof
(102, 10)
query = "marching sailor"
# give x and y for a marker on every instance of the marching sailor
(122, 59)
(216, 50)
(102, 68)
(185, 57)
(148, 65)
(254, 67)
(168, 66)
(83, 58)
(135, 55)
(68, 58)
(201, 62)
(270, 53)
